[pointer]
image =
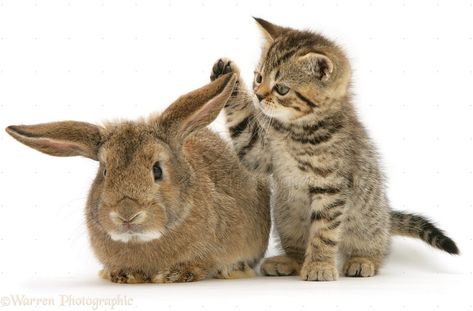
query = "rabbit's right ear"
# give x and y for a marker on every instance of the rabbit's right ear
(196, 109)
(63, 139)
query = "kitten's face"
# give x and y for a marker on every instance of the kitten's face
(284, 93)
(298, 74)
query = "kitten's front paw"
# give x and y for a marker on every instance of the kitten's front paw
(223, 66)
(319, 271)
(124, 277)
(180, 273)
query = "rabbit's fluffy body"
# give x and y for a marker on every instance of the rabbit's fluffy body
(171, 201)
(216, 218)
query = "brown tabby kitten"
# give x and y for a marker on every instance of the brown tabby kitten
(301, 128)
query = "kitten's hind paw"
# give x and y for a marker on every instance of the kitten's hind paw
(359, 267)
(280, 266)
(223, 66)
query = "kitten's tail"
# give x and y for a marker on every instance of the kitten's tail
(417, 226)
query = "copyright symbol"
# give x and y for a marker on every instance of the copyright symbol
(5, 301)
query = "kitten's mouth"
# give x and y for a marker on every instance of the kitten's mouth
(268, 111)
(275, 113)
(263, 107)
(135, 236)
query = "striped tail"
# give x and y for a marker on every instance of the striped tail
(416, 226)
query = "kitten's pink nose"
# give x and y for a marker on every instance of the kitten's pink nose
(262, 91)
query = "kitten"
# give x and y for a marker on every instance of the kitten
(301, 128)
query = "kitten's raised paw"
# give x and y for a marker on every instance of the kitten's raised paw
(280, 266)
(359, 267)
(123, 277)
(319, 271)
(223, 66)
(180, 274)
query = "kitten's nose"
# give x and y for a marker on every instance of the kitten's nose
(262, 91)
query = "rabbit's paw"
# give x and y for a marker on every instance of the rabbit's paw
(124, 277)
(181, 273)
(223, 66)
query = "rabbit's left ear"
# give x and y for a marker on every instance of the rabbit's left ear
(196, 109)
(62, 139)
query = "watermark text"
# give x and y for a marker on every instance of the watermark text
(94, 303)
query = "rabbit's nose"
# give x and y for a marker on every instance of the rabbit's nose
(134, 219)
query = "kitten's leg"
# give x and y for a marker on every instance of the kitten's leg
(246, 131)
(366, 235)
(324, 235)
(280, 266)
(364, 254)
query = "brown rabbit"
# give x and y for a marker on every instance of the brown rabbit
(170, 202)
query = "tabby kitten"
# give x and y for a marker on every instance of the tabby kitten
(301, 128)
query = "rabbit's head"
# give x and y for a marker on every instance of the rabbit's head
(143, 180)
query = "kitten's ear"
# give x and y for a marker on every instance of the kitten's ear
(61, 139)
(317, 65)
(270, 31)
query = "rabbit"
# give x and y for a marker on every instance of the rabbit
(171, 201)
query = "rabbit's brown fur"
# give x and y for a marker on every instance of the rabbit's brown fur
(207, 216)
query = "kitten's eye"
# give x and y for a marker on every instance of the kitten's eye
(258, 78)
(281, 89)
(104, 172)
(157, 172)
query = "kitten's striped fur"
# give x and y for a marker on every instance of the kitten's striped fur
(329, 194)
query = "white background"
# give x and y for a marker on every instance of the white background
(92, 60)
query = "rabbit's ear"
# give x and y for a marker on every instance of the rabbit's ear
(197, 109)
(62, 139)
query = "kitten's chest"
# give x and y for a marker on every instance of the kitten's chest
(286, 164)
(299, 166)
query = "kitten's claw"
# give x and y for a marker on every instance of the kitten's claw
(319, 271)
(223, 66)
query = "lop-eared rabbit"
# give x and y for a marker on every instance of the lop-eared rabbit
(171, 201)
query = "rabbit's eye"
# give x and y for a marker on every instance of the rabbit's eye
(157, 172)
(104, 173)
